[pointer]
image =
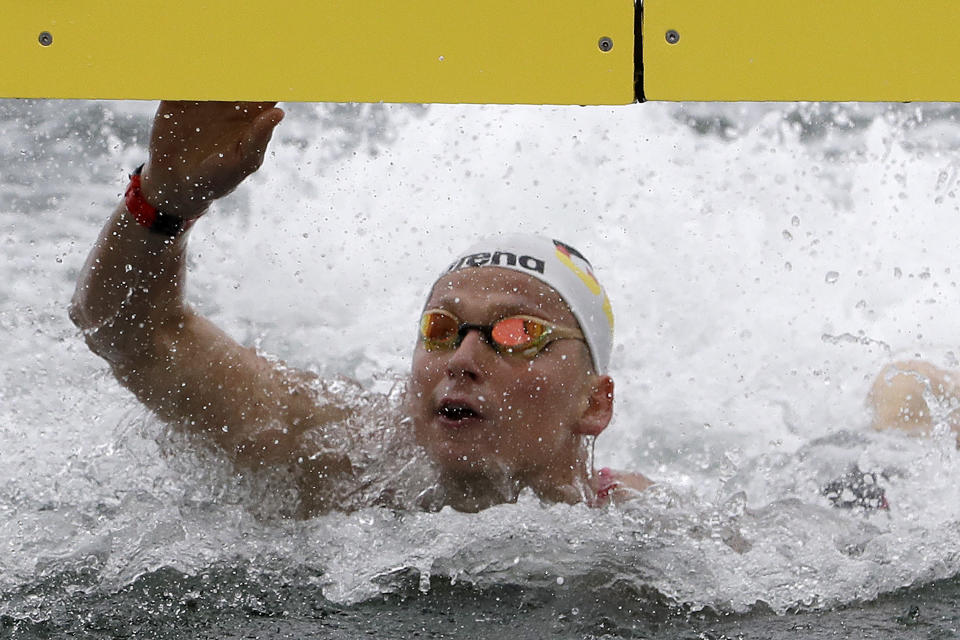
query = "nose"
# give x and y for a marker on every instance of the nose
(471, 359)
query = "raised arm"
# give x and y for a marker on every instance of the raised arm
(130, 304)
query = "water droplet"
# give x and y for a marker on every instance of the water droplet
(559, 579)
(795, 221)
(831, 277)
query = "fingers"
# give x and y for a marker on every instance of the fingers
(241, 111)
(268, 120)
(207, 112)
(253, 146)
(207, 148)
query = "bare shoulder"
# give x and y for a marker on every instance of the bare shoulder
(901, 393)
(914, 396)
(252, 406)
(918, 371)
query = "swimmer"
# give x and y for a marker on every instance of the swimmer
(509, 381)
(912, 396)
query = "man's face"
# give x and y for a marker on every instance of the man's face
(480, 412)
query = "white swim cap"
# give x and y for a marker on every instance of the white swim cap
(560, 266)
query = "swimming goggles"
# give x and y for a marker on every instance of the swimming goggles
(519, 335)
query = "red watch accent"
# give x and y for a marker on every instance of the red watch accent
(148, 215)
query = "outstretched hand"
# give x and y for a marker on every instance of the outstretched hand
(201, 151)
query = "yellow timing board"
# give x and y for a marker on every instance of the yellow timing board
(480, 51)
(831, 50)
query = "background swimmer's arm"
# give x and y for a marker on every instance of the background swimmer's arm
(901, 393)
(130, 296)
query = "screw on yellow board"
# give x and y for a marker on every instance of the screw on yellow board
(863, 50)
(480, 51)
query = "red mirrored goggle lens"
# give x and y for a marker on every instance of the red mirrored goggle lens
(516, 333)
(438, 327)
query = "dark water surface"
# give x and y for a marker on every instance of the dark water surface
(232, 603)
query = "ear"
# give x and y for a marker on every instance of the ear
(599, 410)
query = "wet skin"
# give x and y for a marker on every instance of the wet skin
(482, 415)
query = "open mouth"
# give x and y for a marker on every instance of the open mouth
(456, 411)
